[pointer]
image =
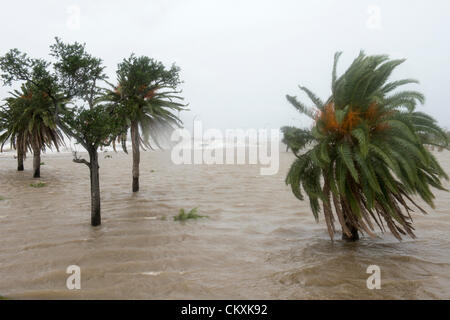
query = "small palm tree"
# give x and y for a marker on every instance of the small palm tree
(364, 159)
(146, 97)
(29, 123)
(8, 131)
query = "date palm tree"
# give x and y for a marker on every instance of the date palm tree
(29, 123)
(365, 158)
(147, 97)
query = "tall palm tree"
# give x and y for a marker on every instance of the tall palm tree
(146, 96)
(30, 124)
(364, 159)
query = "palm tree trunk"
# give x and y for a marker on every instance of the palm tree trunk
(20, 156)
(136, 154)
(36, 162)
(96, 219)
(353, 230)
(354, 237)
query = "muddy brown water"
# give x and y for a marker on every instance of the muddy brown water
(258, 241)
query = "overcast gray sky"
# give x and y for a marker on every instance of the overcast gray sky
(240, 58)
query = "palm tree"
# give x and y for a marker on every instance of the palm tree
(146, 96)
(30, 124)
(364, 159)
(8, 129)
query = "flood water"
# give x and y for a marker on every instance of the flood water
(258, 241)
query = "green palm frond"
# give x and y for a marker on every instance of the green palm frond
(337, 55)
(315, 99)
(310, 112)
(295, 138)
(29, 119)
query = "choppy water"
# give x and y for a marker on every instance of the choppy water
(259, 242)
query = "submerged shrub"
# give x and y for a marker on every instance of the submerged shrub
(183, 216)
(38, 184)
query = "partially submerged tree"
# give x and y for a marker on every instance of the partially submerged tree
(366, 157)
(30, 124)
(92, 128)
(17, 67)
(91, 125)
(9, 118)
(146, 96)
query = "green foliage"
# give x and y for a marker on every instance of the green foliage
(146, 92)
(17, 66)
(135, 72)
(72, 77)
(73, 74)
(92, 127)
(77, 72)
(183, 216)
(295, 138)
(29, 120)
(367, 155)
(301, 107)
(38, 185)
(2, 198)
